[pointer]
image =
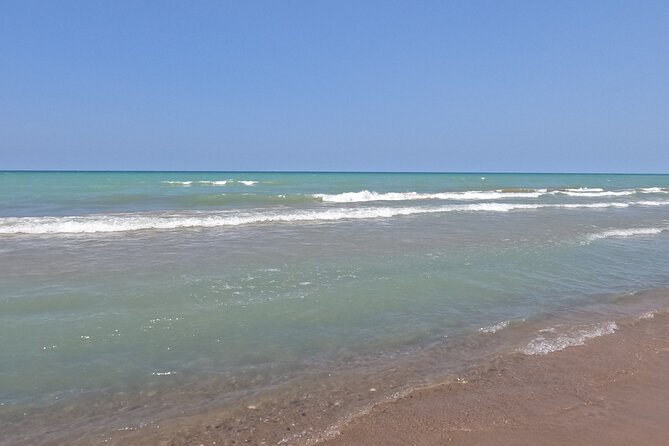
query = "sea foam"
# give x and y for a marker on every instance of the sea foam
(608, 193)
(474, 195)
(366, 195)
(139, 221)
(212, 182)
(495, 328)
(624, 233)
(543, 345)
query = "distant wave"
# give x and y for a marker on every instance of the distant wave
(552, 341)
(654, 190)
(475, 195)
(140, 221)
(590, 192)
(584, 189)
(366, 195)
(604, 193)
(212, 182)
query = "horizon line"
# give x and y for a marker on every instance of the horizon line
(472, 172)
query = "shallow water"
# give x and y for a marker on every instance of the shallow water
(206, 290)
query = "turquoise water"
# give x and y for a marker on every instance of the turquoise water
(235, 284)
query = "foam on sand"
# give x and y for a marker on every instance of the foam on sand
(545, 344)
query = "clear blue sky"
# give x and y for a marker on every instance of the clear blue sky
(335, 85)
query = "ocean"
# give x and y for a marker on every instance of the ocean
(287, 303)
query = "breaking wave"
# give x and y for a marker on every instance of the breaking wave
(212, 182)
(138, 221)
(367, 195)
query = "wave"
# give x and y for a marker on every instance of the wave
(584, 189)
(212, 182)
(624, 233)
(139, 221)
(366, 195)
(653, 190)
(651, 203)
(474, 195)
(607, 193)
(180, 183)
(543, 345)
(589, 192)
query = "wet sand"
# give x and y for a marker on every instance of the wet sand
(612, 391)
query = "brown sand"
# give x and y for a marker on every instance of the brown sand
(612, 391)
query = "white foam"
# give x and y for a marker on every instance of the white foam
(495, 328)
(608, 193)
(366, 195)
(139, 221)
(652, 203)
(582, 192)
(624, 233)
(212, 182)
(585, 189)
(589, 192)
(134, 222)
(591, 205)
(181, 183)
(542, 345)
(653, 190)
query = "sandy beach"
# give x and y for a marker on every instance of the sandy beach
(612, 391)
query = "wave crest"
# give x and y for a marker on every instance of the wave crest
(138, 221)
(366, 195)
(474, 195)
(212, 182)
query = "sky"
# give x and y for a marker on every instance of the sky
(483, 86)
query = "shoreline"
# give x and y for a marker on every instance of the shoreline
(507, 396)
(611, 391)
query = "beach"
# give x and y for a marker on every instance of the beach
(611, 391)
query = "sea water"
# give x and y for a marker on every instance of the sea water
(216, 287)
